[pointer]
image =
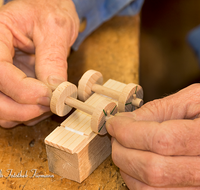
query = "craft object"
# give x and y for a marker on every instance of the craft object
(75, 148)
(64, 99)
(91, 82)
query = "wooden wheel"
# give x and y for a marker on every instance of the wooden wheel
(57, 104)
(86, 82)
(126, 97)
(98, 120)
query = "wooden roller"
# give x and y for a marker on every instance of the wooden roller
(129, 99)
(64, 99)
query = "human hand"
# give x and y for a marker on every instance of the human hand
(157, 145)
(35, 37)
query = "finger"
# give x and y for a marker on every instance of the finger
(184, 104)
(134, 184)
(22, 89)
(155, 170)
(52, 43)
(38, 119)
(13, 111)
(11, 124)
(13, 82)
(8, 124)
(15, 28)
(173, 137)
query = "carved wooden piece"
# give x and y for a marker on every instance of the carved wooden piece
(58, 105)
(128, 95)
(85, 85)
(129, 99)
(75, 155)
(63, 101)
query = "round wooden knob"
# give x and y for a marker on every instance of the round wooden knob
(57, 104)
(127, 96)
(86, 82)
(98, 120)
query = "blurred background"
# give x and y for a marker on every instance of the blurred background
(167, 62)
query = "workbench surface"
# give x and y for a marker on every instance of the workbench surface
(114, 51)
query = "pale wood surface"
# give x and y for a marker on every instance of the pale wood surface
(22, 148)
(80, 121)
(57, 105)
(81, 164)
(126, 97)
(86, 82)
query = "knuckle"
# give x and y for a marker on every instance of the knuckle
(55, 59)
(21, 97)
(154, 173)
(57, 18)
(162, 143)
(63, 21)
(153, 106)
(159, 108)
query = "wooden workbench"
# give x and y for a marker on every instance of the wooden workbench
(113, 50)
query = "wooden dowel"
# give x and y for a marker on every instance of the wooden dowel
(108, 113)
(134, 96)
(99, 89)
(79, 105)
(137, 102)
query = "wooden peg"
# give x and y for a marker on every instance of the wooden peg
(108, 115)
(137, 102)
(92, 81)
(64, 99)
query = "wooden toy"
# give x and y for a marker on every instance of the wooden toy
(74, 149)
(64, 99)
(91, 82)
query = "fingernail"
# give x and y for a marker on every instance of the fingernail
(44, 109)
(55, 81)
(44, 101)
(108, 127)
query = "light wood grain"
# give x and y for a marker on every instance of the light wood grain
(129, 99)
(86, 83)
(79, 121)
(80, 165)
(130, 92)
(64, 90)
(76, 146)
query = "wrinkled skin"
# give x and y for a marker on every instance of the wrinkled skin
(35, 38)
(158, 145)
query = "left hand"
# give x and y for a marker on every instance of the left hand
(158, 145)
(35, 38)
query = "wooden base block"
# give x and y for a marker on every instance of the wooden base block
(79, 165)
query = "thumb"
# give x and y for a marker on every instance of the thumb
(184, 104)
(52, 43)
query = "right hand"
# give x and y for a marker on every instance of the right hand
(156, 146)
